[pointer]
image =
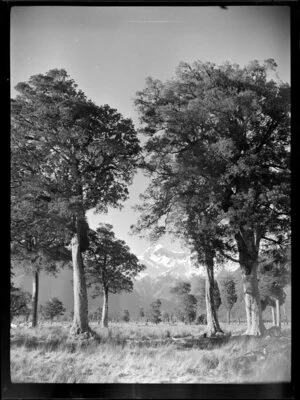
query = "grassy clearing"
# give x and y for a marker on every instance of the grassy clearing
(47, 354)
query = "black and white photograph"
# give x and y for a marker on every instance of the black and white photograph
(150, 180)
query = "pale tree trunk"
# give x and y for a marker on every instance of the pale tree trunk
(105, 308)
(248, 258)
(213, 326)
(99, 316)
(80, 320)
(278, 316)
(228, 316)
(284, 313)
(255, 325)
(273, 316)
(35, 297)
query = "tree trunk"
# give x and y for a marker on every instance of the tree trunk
(105, 308)
(284, 313)
(248, 258)
(99, 315)
(35, 297)
(273, 316)
(80, 319)
(213, 326)
(278, 316)
(228, 316)
(255, 325)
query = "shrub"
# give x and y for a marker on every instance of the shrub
(201, 319)
(126, 316)
(52, 308)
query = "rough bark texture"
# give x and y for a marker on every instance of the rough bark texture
(248, 257)
(35, 296)
(105, 309)
(213, 326)
(228, 316)
(80, 320)
(278, 316)
(255, 325)
(273, 315)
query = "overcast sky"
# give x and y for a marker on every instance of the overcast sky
(109, 51)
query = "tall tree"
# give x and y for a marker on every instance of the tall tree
(110, 265)
(141, 313)
(19, 302)
(187, 303)
(223, 134)
(217, 296)
(268, 301)
(273, 277)
(228, 294)
(154, 312)
(201, 290)
(36, 243)
(86, 156)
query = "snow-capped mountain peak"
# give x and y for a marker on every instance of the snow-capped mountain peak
(164, 262)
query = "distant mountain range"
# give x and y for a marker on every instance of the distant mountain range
(164, 269)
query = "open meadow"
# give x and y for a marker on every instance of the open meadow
(139, 353)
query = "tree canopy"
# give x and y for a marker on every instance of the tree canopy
(82, 155)
(85, 154)
(19, 302)
(187, 302)
(220, 133)
(218, 148)
(109, 263)
(228, 293)
(154, 312)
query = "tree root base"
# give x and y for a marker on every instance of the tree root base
(255, 333)
(214, 334)
(78, 333)
(273, 331)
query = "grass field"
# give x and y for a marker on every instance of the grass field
(136, 353)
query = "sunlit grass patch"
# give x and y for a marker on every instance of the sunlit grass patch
(116, 356)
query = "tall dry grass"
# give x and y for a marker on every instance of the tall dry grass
(48, 354)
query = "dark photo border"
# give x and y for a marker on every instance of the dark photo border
(10, 390)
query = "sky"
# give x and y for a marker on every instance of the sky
(109, 52)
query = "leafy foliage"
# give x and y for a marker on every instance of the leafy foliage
(36, 240)
(83, 155)
(186, 309)
(109, 263)
(218, 148)
(217, 296)
(189, 303)
(126, 316)
(19, 302)
(218, 153)
(154, 312)
(199, 291)
(141, 313)
(52, 308)
(273, 278)
(165, 317)
(181, 288)
(228, 292)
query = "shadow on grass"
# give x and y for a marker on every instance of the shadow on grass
(202, 343)
(69, 344)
